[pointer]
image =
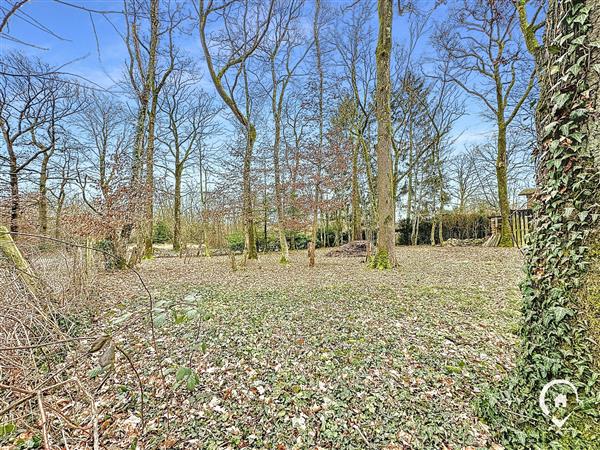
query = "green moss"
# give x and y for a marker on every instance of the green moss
(380, 261)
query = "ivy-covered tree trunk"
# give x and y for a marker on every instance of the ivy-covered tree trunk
(561, 295)
(386, 255)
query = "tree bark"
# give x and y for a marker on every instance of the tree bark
(149, 191)
(9, 250)
(248, 213)
(386, 256)
(43, 195)
(148, 220)
(285, 254)
(177, 209)
(317, 195)
(502, 179)
(356, 213)
(14, 189)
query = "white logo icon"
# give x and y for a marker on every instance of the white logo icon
(560, 401)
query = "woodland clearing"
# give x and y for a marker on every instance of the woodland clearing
(337, 356)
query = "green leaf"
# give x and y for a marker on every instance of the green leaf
(95, 372)
(183, 372)
(192, 381)
(7, 428)
(160, 319)
(560, 312)
(560, 99)
(122, 318)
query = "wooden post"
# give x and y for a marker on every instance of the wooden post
(368, 255)
(311, 254)
(9, 249)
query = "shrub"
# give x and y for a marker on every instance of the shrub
(236, 241)
(162, 233)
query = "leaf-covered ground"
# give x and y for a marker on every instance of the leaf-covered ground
(338, 356)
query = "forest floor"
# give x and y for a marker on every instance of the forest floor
(337, 356)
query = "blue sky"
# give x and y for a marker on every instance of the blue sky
(76, 46)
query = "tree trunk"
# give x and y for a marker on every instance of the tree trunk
(149, 214)
(247, 196)
(14, 191)
(386, 256)
(501, 175)
(285, 254)
(58, 217)
(177, 209)
(11, 252)
(356, 213)
(43, 195)
(317, 195)
(560, 331)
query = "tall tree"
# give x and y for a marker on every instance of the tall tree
(187, 117)
(63, 100)
(142, 77)
(24, 107)
(560, 327)
(281, 52)
(320, 121)
(239, 40)
(386, 221)
(357, 59)
(489, 65)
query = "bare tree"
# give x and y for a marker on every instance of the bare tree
(462, 174)
(489, 65)
(320, 121)
(23, 108)
(357, 59)
(239, 40)
(281, 48)
(188, 114)
(64, 100)
(386, 220)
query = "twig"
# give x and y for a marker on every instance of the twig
(44, 420)
(61, 341)
(364, 438)
(94, 413)
(141, 386)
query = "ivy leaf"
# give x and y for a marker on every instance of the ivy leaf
(7, 428)
(560, 100)
(583, 215)
(560, 312)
